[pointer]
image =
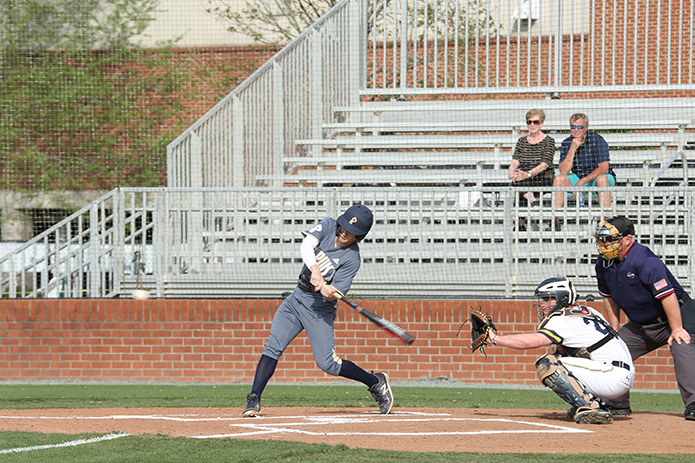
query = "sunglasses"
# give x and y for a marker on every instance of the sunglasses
(530, 122)
(576, 127)
(608, 240)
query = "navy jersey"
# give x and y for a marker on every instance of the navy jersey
(338, 265)
(638, 283)
(588, 156)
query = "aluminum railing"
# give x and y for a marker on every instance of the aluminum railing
(442, 242)
(248, 132)
(522, 46)
(410, 48)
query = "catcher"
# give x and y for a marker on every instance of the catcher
(588, 361)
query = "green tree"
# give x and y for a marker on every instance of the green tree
(81, 108)
(40, 25)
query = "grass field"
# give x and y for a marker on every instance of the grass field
(157, 448)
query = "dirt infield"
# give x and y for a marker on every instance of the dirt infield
(413, 429)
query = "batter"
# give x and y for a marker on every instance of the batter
(331, 256)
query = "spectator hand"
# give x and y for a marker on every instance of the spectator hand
(519, 175)
(578, 141)
(680, 336)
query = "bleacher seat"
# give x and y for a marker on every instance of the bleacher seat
(470, 143)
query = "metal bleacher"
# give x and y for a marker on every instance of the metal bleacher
(463, 143)
(310, 133)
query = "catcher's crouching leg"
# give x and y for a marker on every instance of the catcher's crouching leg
(555, 376)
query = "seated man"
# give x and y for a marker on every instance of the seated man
(588, 362)
(584, 161)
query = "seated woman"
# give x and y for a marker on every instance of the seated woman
(532, 161)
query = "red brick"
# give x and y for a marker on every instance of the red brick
(176, 340)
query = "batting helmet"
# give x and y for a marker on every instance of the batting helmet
(560, 288)
(357, 219)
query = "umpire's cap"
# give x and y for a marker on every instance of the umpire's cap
(357, 219)
(623, 224)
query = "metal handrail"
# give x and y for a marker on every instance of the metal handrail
(265, 67)
(682, 183)
(249, 130)
(668, 163)
(239, 242)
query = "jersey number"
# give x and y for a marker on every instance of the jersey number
(598, 326)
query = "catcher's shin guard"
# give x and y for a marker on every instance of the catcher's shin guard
(555, 376)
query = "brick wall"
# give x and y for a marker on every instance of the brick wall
(220, 341)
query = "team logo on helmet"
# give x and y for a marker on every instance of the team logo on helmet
(607, 240)
(357, 219)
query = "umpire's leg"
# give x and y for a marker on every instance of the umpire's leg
(684, 364)
(640, 339)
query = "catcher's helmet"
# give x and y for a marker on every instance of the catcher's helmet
(560, 288)
(357, 219)
(609, 233)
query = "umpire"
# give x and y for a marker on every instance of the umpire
(632, 278)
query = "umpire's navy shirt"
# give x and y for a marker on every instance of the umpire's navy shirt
(637, 284)
(588, 156)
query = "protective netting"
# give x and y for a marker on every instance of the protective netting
(389, 94)
(86, 107)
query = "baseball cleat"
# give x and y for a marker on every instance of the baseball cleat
(381, 392)
(253, 406)
(619, 411)
(586, 415)
(571, 412)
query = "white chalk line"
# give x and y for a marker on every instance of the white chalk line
(258, 428)
(73, 443)
(118, 417)
(186, 418)
(298, 424)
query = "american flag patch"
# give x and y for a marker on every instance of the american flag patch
(661, 284)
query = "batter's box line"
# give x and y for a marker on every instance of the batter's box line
(269, 428)
(73, 443)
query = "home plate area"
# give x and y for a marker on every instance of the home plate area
(408, 429)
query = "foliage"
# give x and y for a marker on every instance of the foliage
(41, 25)
(67, 107)
(270, 21)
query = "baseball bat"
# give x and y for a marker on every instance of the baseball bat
(383, 323)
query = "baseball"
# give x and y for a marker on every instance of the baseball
(141, 295)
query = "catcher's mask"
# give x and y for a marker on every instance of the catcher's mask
(357, 219)
(608, 235)
(559, 288)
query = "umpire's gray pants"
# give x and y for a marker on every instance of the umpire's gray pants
(642, 339)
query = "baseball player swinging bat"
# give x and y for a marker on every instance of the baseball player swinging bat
(383, 323)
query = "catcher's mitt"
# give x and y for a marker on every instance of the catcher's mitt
(481, 327)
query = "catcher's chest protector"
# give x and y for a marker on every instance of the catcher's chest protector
(583, 312)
